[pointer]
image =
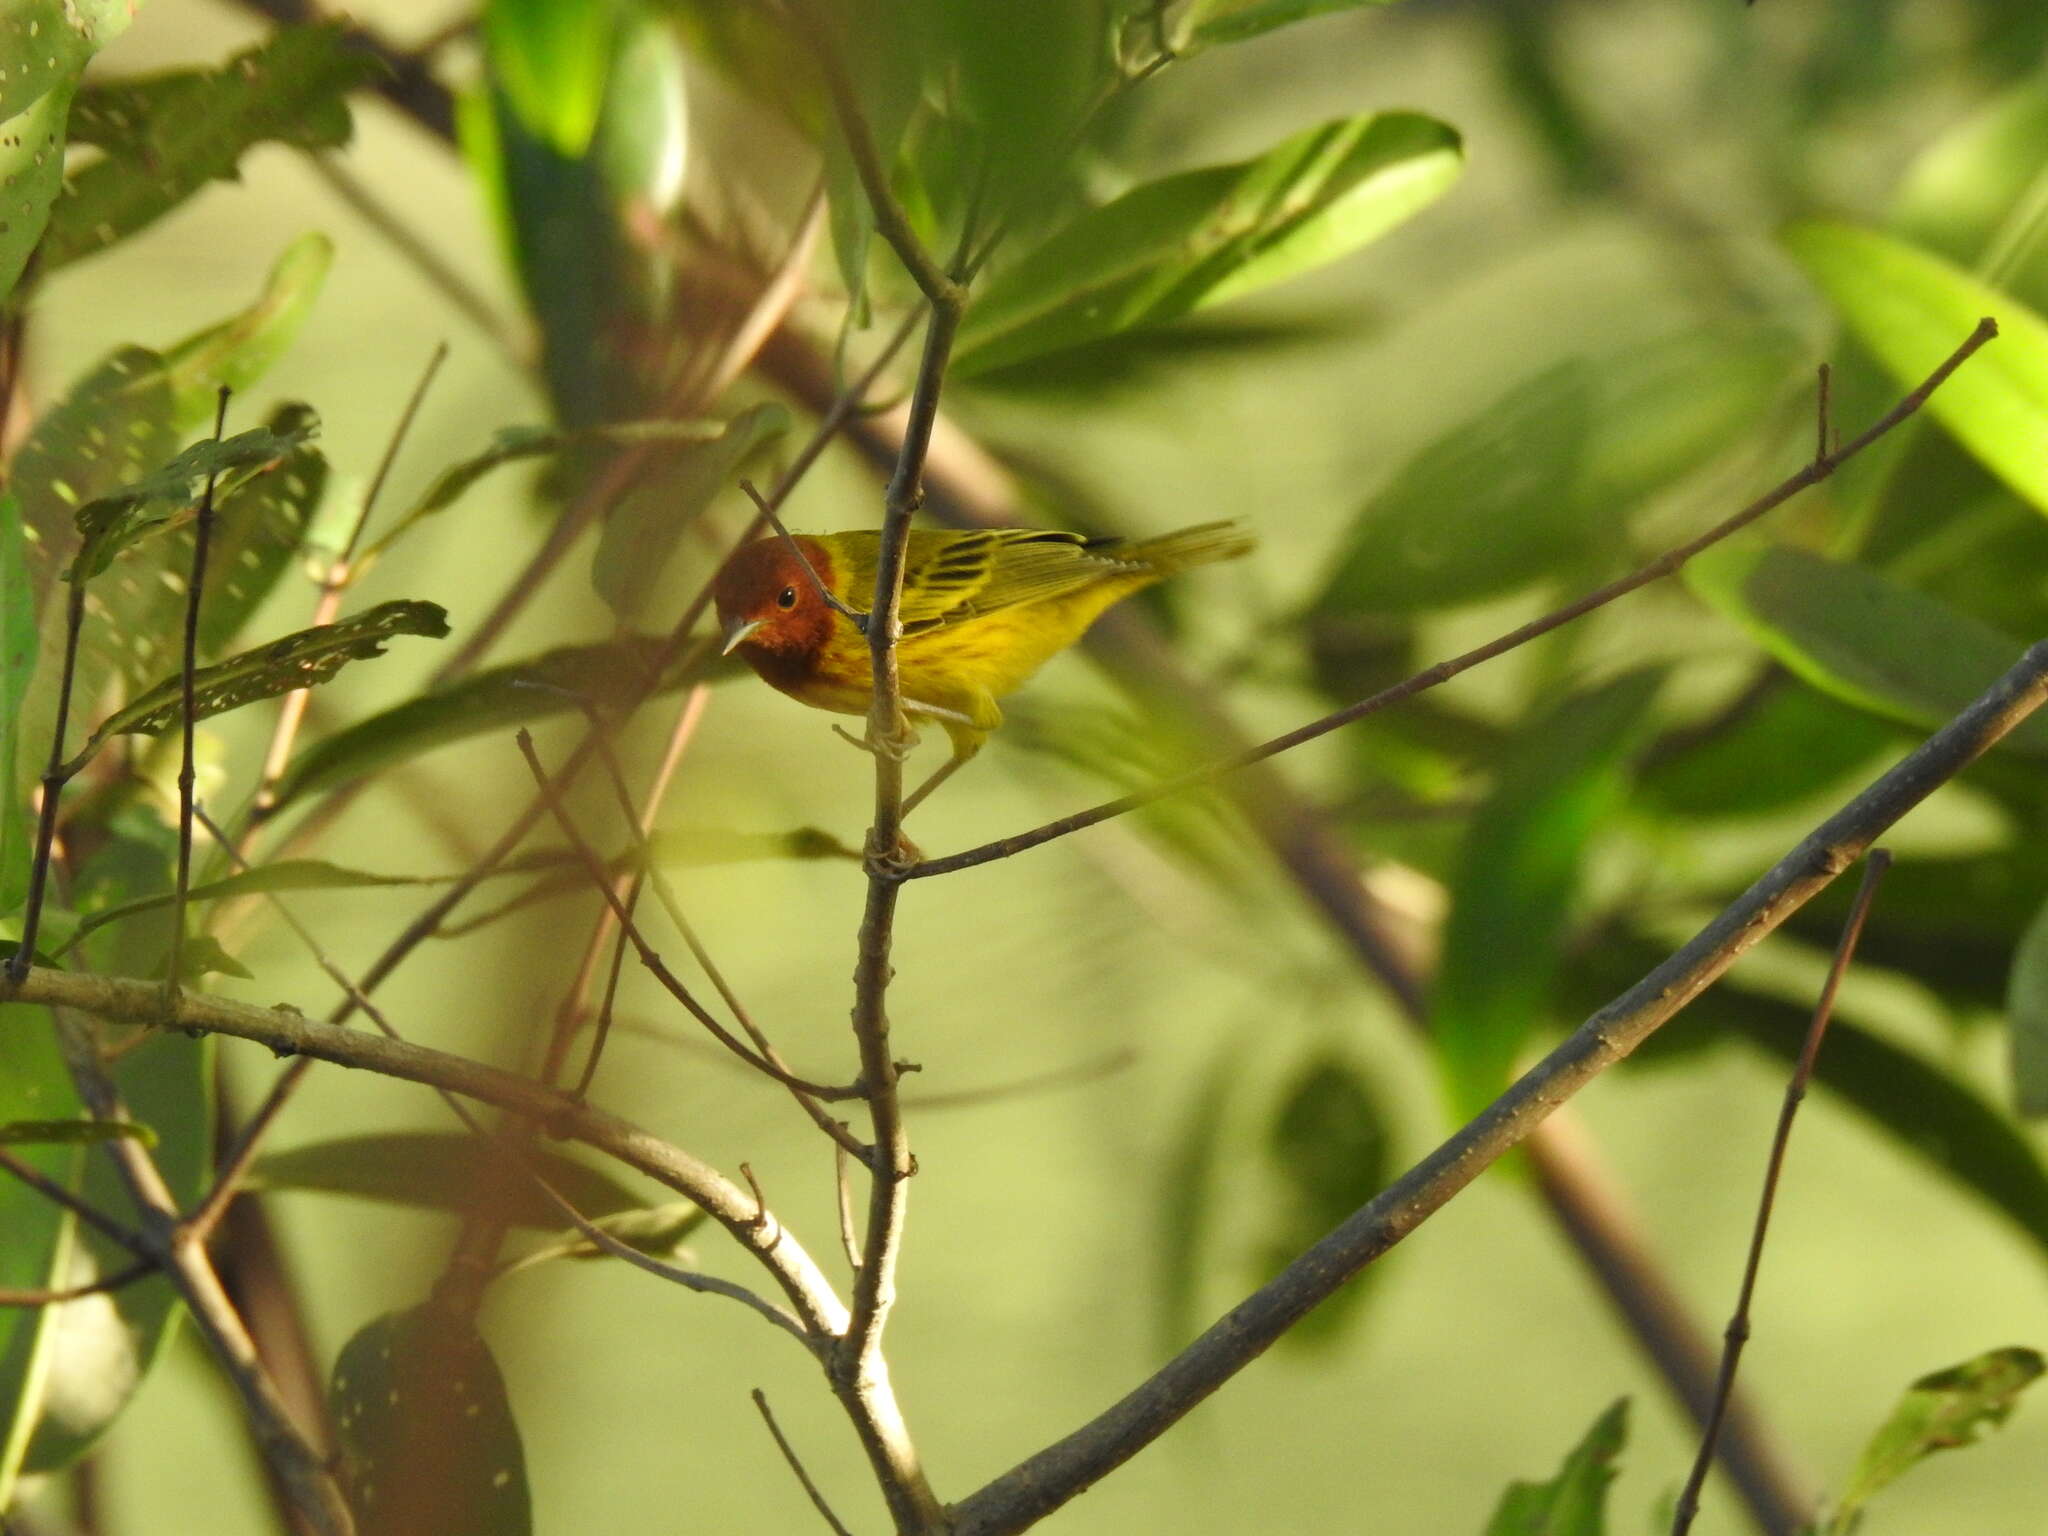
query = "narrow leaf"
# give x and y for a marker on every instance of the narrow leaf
(63, 1132)
(240, 350)
(658, 1231)
(1188, 1197)
(1233, 21)
(304, 660)
(428, 1442)
(1912, 309)
(552, 62)
(1173, 246)
(1574, 1503)
(2027, 1006)
(451, 1171)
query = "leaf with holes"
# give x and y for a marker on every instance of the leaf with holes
(163, 137)
(31, 175)
(109, 524)
(451, 1171)
(1574, 1503)
(303, 660)
(45, 43)
(428, 1442)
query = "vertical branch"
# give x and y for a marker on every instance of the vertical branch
(195, 589)
(55, 777)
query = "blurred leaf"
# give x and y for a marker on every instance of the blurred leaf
(1574, 1503)
(643, 129)
(45, 43)
(1187, 1197)
(428, 1443)
(1854, 634)
(1511, 898)
(552, 60)
(1141, 360)
(1551, 469)
(36, 1254)
(1329, 1146)
(1199, 238)
(450, 1171)
(511, 444)
(240, 350)
(164, 137)
(1975, 194)
(1780, 745)
(31, 176)
(107, 525)
(2027, 1006)
(606, 674)
(202, 956)
(658, 1231)
(17, 668)
(1941, 1412)
(302, 660)
(1912, 309)
(641, 535)
(1233, 21)
(62, 1132)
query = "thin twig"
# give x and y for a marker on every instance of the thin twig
(825, 594)
(1818, 470)
(1688, 1507)
(842, 1180)
(118, 1280)
(54, 779)
(789, 1455)
(77, 1204)
(1032, 1490)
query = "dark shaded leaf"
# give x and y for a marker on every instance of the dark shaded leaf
(445, 1171)
(60, 1132)
(202, 955)
(1856, 634)
(1939, 1412)
(303, 660)
(1517, 873)
(1183, 243)
(428, 1443)
(2027, 1008)
(604, 674)
(1574, 1503)
(165, 136)
(17, 670)
(1804, 740)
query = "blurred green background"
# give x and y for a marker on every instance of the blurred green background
(1614, 239)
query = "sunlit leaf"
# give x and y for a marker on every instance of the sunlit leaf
(1973, 188)
(1517, 873)
(1574, 1503)
(1199, 238)
(17, 668)
(549, 684)
(1912, 309)
(1856, 634)
(303, 660)
(1232, 21)
(163, 137)
(31, 175)
(1939, 1412)
(2027, 1009)
(240, 350)
(644, 529)
(552, 61)
(62, 1132)
(45, 43)
(428, 1442)
(452, 1171)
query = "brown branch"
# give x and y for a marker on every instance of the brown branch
(1048, 1480)
(1821, 467)
(77, 1204)
(120, 1278)
(1795, 1090)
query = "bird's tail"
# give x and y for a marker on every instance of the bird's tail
(1203, 544)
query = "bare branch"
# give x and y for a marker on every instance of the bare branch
(789, 1455)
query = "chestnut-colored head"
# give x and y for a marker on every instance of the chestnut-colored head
(768, 609)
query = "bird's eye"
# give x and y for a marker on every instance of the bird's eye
(786, 598)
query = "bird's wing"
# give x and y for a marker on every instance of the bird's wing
(951, 577)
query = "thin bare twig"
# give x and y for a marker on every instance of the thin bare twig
(54, 779)
(1802, 1073)
(118, 1280)
(77, 1204)
(1032, 1490)
(1819, 469)
(789, 1455)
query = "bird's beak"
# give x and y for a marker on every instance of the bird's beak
(736, 634)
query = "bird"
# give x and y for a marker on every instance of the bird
(981, 611)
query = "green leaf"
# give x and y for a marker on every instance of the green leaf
(1574, 1503)
(1810, 741)
(1940, 1412)
(31, 175)
(17, 669)
(511, 444)
(2027, 1005)
(107, 525)
(446, 1171)
(1233, 21)
(428, 1442)
(658, 1231)
(240, 350)
(1517, 873)
(1329, 1147)
(302, 660)
(1855, 634)
(37, 1253)
(643, 130)
(163, 137)
(552, 61)
(62, 1132)
(549, 684)
(1974, 195)
(1188, 1197)
(1912, 309)
(1173, 246)
(641, 534)
(45, 43)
